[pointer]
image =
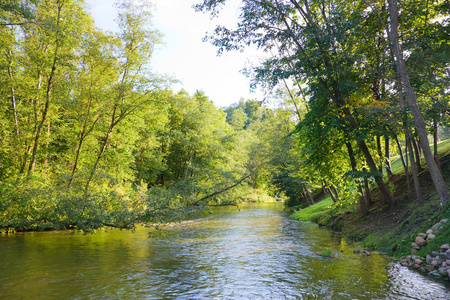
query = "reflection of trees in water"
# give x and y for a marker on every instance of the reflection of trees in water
(252, 253)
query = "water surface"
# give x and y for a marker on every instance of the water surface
(256, 252)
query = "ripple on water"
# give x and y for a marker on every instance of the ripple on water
(255, 253)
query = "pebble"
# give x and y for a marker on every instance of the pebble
(365, 253)
(430, 237)
(438, 262)
(435, 228)
(420, 241)
(429, 268)
(444, 256)
(435, 273)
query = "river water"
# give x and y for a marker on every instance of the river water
(256, 252)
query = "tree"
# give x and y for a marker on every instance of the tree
(317, 39)
(436, 174)
(93, 82)
(133, 89)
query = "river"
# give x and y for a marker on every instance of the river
(256, 252)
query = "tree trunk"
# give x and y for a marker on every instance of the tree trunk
(50, 82)
(47, 143)
(327, 190)
(414, 173)
(305, 197)
(297, 110)
(387, 195)
(13, 95)
(334, 190)
(387, 156)
(188, 165)
(351, 156)
(408, 181)
(367, 190)
(309, 195)
(380, 154)
(331, 195)
(435, 143)
(417, 154)
(435, 173)
(102, 150)
(75, 164)
(402, 157)
(362, 201)
(408, 148)
(362, 198)
(378, 179)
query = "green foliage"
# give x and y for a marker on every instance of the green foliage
(89, 136)
(34, 204)
(337, 57)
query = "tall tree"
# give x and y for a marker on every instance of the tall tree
(134, 87)
(434, 170)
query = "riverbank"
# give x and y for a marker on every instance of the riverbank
(391, 230)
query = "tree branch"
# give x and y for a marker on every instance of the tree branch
(222, 190)
(16, 24)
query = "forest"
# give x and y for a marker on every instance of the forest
(91, 137)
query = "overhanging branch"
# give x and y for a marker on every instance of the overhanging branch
(222, 190)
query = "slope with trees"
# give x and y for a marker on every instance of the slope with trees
(90, 136)
(347, 59)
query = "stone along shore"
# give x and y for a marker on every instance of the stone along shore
(437, 263)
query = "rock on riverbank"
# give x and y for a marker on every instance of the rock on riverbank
(438, 262)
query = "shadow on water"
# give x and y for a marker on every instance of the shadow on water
(256, 252)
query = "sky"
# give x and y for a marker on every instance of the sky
(184, 55)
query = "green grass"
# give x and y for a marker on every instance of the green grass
(444, 149)
(395, 231)
(313, 212)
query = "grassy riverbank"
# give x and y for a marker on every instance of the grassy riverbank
(390, 230)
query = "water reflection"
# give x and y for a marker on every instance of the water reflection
(254, 253)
